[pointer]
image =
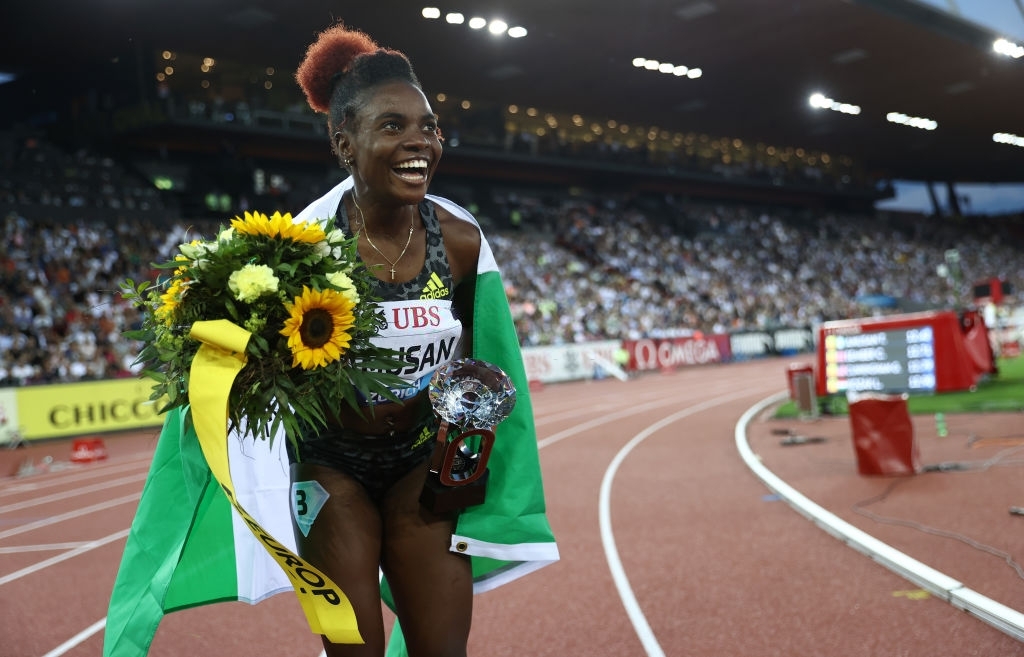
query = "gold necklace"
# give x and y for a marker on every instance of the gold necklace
(408, 241)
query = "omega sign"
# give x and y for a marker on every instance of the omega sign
(658, 354)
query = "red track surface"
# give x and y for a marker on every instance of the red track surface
(715, 565)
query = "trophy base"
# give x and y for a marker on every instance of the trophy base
(442, 499)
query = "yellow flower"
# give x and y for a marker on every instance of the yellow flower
(318, 328)
(251, 282)
(193, 250)
(343, 282)
(278, 225)
(171, 298)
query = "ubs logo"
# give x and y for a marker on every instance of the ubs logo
(415, 317)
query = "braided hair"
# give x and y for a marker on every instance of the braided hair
(340, 65)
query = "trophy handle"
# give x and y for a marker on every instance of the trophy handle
(445, 453)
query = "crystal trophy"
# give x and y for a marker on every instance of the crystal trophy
(471, 397)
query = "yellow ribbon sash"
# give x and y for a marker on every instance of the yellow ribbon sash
(220, 358)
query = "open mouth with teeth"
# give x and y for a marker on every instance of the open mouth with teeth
(414, 171)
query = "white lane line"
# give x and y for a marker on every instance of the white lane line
(21, 486)
(46, 563)
(603, 419)
(998, 615)
(14, 531)
(575, 412)
(670, 396)
(636, 615)
(74, 492)
(605, 401)
(77, 639)
(607, 417)
(49, 547)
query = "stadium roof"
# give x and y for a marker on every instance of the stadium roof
(760, 62)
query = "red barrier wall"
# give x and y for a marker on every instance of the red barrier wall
(670, 353)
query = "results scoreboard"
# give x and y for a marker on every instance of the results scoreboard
(934, 351)
(892, 360)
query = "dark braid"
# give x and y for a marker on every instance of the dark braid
(367, 71)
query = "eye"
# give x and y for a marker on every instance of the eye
(391, 126)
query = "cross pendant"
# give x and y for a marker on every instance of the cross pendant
(392, 272)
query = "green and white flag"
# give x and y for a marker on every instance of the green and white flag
(189, 547)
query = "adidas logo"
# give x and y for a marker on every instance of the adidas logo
(425, 435)
(435, 288)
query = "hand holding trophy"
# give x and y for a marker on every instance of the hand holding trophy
(471, 397)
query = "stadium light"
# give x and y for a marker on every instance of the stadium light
(821, 101)
(912, 121)
(1007, 138)
(497, 26)
(667, 68)
(1008, 48)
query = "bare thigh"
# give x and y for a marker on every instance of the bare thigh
(344, 542)
(432, 586)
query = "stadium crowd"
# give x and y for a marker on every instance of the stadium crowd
(611, 270)
(577, 267)
(478, 125)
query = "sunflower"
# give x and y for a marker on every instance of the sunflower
(172, 297)
(278, 225)
(318, 327)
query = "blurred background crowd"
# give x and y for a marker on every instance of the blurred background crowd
(579, 264)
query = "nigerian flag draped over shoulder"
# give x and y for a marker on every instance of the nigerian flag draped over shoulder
(189, 547)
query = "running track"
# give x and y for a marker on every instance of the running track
(670, 546)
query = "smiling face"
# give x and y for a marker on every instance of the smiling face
(393, 144)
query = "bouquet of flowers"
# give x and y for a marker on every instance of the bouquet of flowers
(304, 296)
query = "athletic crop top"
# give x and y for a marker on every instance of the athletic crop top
(421, 324)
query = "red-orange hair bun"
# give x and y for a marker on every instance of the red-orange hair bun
(332, 53)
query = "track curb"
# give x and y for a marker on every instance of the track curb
(998, 615)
